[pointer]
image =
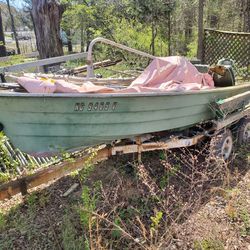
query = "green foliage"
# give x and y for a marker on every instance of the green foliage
(208, 244)
(16, 59)
(155, 220)
(192, 49)
(152, 11)
(88, 205)
(162, 155)
(245, 217)
(171, 172)
(127, 214)
(32, 199)
(116, 232)
(2, 221)
(43, 200)
(70, 239)
(89, 201)
(4, 177)
(164, 181)
(88, 166)
(6, 160)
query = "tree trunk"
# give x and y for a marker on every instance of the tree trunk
(200, 30)
(46, 16)
(246, 16)
(153, 38)
(2, 40)
(169, 34)
(70, 48)
(88, 38)
(13, 27)
(82, 38)
(241, 10)
(188, 28)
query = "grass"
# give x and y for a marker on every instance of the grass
(16, 59)
(70, 238)
(132, 206)
(245, 218)
(208, 244)
(2, 221)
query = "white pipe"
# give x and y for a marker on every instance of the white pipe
(90, 68)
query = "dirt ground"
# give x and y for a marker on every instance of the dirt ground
(169, 201)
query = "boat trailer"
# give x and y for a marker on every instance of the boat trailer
(230, 112)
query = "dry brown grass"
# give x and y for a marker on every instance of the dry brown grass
(179, 199)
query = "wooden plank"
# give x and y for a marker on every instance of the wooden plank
(228, 32)
(45, 175)
(42, 62)
(235, 102)
(222, 123)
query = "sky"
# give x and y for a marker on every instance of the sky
(16, 3)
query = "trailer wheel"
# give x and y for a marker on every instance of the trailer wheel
(243, 133)
(221, 145)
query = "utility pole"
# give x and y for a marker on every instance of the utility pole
(13, 27)
(2, 40)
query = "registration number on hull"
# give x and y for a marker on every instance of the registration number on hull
(95, 106)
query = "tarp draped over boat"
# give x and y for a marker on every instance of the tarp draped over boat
(172, 73)
(162, 75)
(43, 85)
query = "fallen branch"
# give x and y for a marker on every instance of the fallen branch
(97, 65)
(71, 190)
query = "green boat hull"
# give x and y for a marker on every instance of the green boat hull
(48, 124)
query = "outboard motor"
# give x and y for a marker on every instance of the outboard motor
(228, 78)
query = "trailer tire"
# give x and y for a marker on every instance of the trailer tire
(243, 132)
(221, 145)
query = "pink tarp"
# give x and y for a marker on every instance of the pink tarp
(163, 74)
(42, 85)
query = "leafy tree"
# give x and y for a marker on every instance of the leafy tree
(154, 13)
(79, 16)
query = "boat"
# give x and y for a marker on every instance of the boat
(47, 124)
(41, 124)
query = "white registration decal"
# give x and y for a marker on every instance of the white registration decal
(95, 106)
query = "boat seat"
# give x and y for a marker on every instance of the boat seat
(202, 68)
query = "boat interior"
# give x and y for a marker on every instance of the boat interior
(223, 74)
(226, 80)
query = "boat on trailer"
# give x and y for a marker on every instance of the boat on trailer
(47, 124)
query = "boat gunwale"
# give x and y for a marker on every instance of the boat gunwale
(124, 95)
